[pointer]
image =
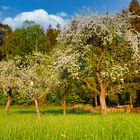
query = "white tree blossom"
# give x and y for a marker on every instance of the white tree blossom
(106, 45)
(9, 75)
(102, 31)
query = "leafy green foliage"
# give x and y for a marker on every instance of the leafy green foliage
(26, 40)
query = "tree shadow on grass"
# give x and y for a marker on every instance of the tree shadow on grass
(25, 112)
(55, 112)
(49, 111)
(83, 113)
(69, 112)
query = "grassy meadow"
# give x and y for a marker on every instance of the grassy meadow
(22, 124)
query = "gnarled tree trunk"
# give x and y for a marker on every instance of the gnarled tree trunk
(64, 105)
(103, 88)
(96, 103)
(131, 102)
(9, 99)
(37, 108)
(103, 102)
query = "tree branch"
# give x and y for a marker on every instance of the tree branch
(92, 88)
(107, 84)
(99, 61)
(99, 79)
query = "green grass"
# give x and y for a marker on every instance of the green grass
(22, 124)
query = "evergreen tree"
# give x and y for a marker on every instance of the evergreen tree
(5, 32)
(52, 34)
(134, 8)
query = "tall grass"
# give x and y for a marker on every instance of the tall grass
(22, 124)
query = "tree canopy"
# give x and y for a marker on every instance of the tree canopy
(96, 55)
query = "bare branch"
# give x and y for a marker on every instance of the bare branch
(107, 84)
(92, 88)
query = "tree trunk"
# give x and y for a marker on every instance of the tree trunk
(131, 104)
(64, 105)
(103, 88)
(37, 108)
(36, 45)
(43, 106)
(103, 102)
(8, 103)
(95, 96)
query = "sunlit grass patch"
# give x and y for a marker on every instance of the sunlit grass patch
(22, 124)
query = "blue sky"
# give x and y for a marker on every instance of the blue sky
(12, 8)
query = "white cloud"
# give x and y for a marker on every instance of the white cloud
(5, 7)
(62, 14)
(39, 16)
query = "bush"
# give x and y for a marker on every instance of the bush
(81, 109)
